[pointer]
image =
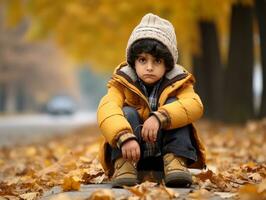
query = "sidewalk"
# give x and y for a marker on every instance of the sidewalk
(85, 192)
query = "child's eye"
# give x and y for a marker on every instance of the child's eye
(142, 60)
(158, 61)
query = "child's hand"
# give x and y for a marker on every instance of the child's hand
(131, 150)
(150, 129)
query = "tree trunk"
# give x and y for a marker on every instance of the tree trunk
(200, 77)
(201, 84)
(238, 83)
(211, 71)
(260, 6)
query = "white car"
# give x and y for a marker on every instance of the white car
(61, 105)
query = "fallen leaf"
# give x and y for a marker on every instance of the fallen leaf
(91, 176)
(85, 159)
(262, 186)
(201, 194)
(203, 176)
(29, 196)
(249, 191)
(31, 151)
(150, 190)
(256, 177)
(102, 194)
(172, 194)
(71, 183)
(8, 197)
(146, 186)
(225, 195)
(135, 190)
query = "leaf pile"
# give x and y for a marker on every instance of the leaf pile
(235, 158)
(236, 165)
(67, 161)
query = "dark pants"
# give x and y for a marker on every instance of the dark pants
(177, 141)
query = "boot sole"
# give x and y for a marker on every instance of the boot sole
(178, 179)
(119, 183)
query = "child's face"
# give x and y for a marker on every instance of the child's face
(149, 69)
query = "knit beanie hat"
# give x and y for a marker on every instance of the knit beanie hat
(155, 27)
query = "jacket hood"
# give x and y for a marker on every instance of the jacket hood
(129, 73)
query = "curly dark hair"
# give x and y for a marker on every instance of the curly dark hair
(153, 47)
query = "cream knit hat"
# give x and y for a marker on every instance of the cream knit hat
(154, 27)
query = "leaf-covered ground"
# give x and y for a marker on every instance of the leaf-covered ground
(235, 155)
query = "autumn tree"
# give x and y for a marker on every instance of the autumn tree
(260, 8)
(238, 80)
(212, 70)
(208, 63)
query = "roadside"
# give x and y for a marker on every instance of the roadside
(25, 129)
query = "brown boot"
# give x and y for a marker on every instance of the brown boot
(125, 173)
(176, 173)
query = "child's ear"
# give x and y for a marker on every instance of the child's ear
(167, 69)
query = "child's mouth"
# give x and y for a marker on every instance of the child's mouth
(148, 76)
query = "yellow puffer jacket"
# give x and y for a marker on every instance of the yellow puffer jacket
(122, 91)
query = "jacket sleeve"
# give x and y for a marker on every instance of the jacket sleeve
(185, 110)
(110, 116)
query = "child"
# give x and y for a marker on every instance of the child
(148, 111)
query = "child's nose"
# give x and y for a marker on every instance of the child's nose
(149, 66)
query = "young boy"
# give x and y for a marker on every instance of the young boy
(147, 114)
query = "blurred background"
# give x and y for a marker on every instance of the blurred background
(56, 57)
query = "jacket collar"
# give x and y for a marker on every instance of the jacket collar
(129, 72)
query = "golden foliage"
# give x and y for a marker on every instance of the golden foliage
(97, 30)
(15, 11)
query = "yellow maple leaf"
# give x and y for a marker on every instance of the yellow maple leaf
(71, 183)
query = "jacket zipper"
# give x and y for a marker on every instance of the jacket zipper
(134, 91)
(142, 97)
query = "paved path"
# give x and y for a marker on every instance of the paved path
(86, 191)
(56, 193)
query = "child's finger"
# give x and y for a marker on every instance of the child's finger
(129, 157)
(155, 135)
(124, 154)
(144, 134)
(134, 155)
(148, 135)
(151, 133)
(137, 154)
